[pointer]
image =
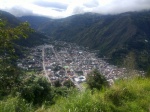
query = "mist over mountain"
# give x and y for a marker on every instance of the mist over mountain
(37, 78)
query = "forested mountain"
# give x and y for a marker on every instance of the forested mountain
(35, 38)
(115, 36)
(63, 28)
(35, 21)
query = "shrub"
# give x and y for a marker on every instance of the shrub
(68, 84)
(131, 95)
(37, 89)
(15, 104)
(96, 80)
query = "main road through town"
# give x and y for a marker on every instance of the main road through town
(43, 54)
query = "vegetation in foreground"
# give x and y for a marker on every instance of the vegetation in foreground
(20, 92)
(130, 95)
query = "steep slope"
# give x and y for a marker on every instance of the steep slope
(108, 34)
(9, 18)
(34, 38)
(118, 35)
(115, 36)
(35, 21)
(66, 28)
(97, 31)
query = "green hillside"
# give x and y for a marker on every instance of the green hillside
(35, 21)
(115, 36)
(9, 18)
(28, 91)
(125, 96)
(34, 39)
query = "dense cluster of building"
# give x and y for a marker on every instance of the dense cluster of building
(62, 61)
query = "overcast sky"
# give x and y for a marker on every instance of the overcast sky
(64, 8)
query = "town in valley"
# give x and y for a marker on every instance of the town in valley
(67, 61)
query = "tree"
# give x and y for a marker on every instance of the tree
(96, 80)
(9, 74)
(148, 73)
(69, 84)
(61, 91)
(129, 61)
(37, 90)
(57, 83)
(130, 64)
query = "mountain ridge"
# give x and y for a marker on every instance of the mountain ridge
(34, 38)
(115, 36)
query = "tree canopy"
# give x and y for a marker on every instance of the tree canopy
(9, 76)
(96, 80)
(36, 90)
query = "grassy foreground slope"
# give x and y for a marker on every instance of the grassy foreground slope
(132, 95)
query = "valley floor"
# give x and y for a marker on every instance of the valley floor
(62, 61)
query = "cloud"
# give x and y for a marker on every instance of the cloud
(64, 8)
(78, 10)
(120, 6)
(91, 4)
(57, 9)
(109, 6)
(56, 5)
(19, 11)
